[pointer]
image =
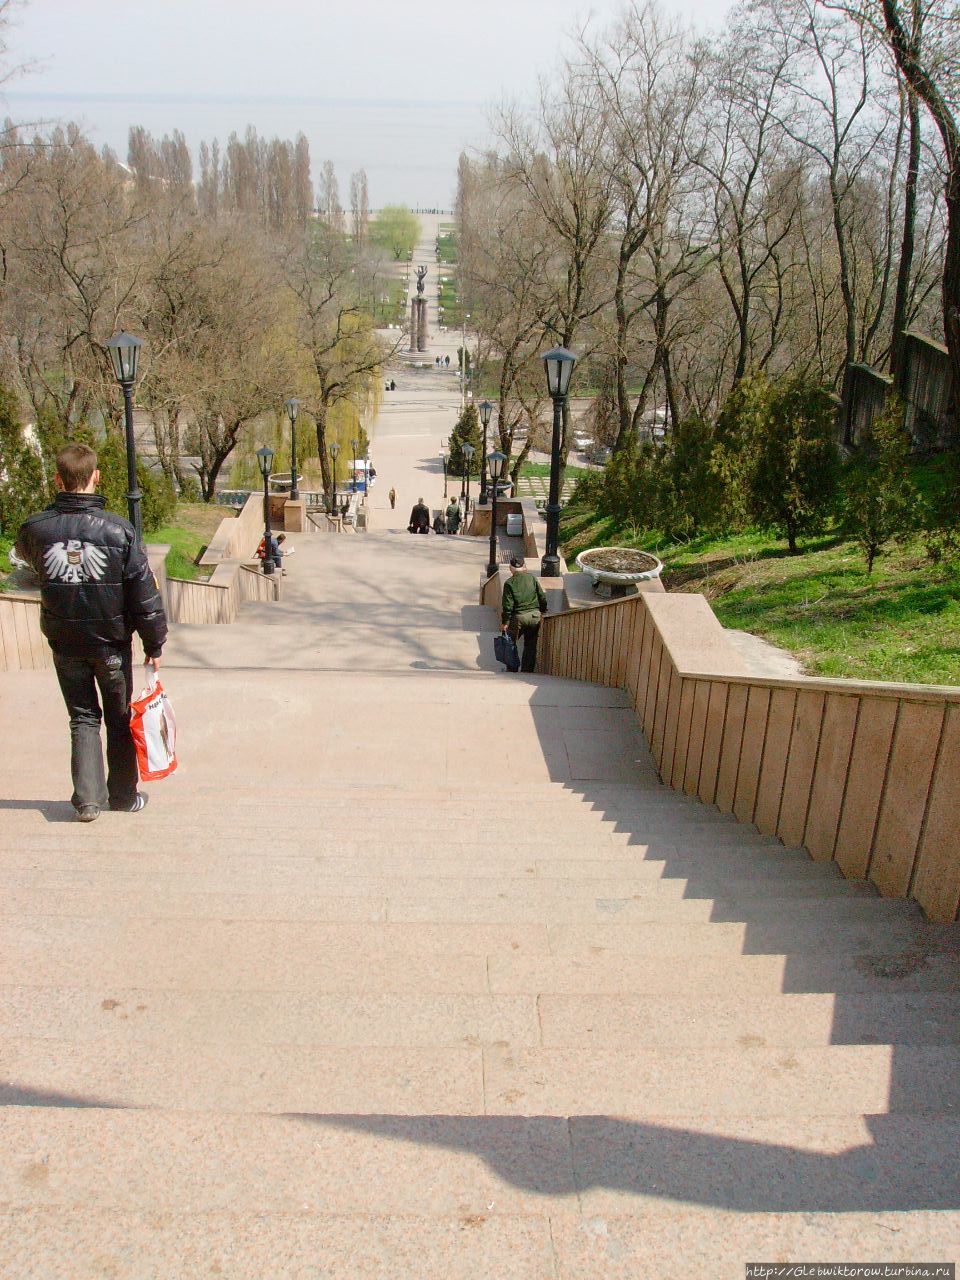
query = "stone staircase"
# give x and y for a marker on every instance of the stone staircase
(415, 970)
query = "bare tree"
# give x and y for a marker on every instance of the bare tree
(341, 351)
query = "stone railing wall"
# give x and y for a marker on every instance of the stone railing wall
(861, 772)
(237, 537)
(926, 384)
(219, 599)
(865, 393)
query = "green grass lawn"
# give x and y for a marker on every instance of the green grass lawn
(6, 542)
(543, 469)
(390, 305)
(450, 301)
(902, 622)
(194, 524)
(447, 246)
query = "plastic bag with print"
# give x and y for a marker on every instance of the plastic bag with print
(154, 731)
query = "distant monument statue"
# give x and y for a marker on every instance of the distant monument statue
(418, 315)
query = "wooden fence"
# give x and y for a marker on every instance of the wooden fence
(861, 772)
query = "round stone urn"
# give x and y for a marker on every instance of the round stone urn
(615, 571)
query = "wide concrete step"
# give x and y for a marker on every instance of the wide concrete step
(499, 859)
(282, 831)
(114, 937)
(491, 1166)
(430, 959)
(517, 902)
(751, 1080)
(507, 883)
(109, 1013)
(709, 1244)
(701, 977)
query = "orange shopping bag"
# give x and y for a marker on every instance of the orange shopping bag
(154, 731)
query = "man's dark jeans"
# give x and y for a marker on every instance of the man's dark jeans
(529, 633)
(80, 679)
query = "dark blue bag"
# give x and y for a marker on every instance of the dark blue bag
(506, 651)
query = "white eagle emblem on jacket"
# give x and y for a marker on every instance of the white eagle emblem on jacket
(74, 561)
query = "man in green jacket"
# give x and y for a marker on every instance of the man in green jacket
(524, 604)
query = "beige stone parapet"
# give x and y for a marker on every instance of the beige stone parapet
(294, 516)
(237, 537)
(865, 773)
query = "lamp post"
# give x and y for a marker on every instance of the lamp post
(443, 463)
(334, 454)
(265, 462)
(292, 407)
(558, 365)
(496, 464)
(486, 409)
(354, 444)
(468, 452)
(124, 351)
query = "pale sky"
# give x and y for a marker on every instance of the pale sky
(355, 49)
(340, 71)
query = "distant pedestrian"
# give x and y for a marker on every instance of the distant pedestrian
(453, 516)
(392, 495)
(523, 606)
(446, 361)
(96, 589)
(274, 550)
(419, 518)
(439, 524)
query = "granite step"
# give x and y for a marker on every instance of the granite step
(740, 1079)
(445, 1166)
(101, 1011)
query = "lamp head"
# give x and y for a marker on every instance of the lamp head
(558, 364)
(124, 351)
(292, 407)
(334, 449)
(468, 451)
(265, 461)
(497, 465)
(486, 409)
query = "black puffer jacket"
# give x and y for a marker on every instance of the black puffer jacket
(96, 586)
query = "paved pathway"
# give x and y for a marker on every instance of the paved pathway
(414, 971)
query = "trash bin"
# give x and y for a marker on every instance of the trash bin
(514, 524)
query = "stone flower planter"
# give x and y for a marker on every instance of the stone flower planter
(615, 571)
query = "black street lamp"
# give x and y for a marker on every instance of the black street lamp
(443, 462)
(468, 452)
(292, 407)
(334, 454)
(496, 463)
(354, 444)
(486, 409)
(559, 368)
(265, 462)
(124, 351)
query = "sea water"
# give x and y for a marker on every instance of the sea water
(409, 149)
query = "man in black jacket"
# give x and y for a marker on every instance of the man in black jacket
(96, 589)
